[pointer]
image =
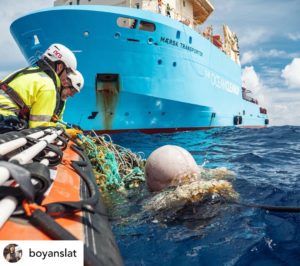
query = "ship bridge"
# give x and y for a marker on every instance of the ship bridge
(189, 12)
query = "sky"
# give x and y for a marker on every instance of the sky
(269, 41)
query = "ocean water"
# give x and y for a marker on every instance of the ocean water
(267, 166)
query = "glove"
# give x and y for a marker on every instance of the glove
(72, 132)
(54, 118)
(76, 127)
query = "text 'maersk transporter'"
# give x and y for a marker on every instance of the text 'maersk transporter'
(146, 66)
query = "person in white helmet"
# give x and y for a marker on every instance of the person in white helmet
(76, 83)
(34, 96)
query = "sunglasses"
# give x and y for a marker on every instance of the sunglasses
(72, 89)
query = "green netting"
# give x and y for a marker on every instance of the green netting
(114, 166)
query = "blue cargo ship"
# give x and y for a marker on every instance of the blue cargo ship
(146, 66)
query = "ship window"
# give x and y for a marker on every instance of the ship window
(117, 35)
(147, 26)
(178, 34)
(150, 40)
(132, 40)
(127, 22)
(70, 3)
(183, 3)
(190, 40)
(36, 39)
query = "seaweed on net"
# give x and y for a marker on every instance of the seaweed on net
(199, 199)
(193, 192)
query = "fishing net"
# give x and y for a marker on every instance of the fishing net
(209, 182)
(194, 202)
(115, 167)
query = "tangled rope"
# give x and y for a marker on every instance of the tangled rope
(114, 166)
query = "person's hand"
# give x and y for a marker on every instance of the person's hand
(73, 133)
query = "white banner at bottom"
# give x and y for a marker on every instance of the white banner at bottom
(46, 253)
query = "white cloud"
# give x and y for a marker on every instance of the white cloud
(282, 103)
(271, 72)
(251, 56)
(294, 36)
(284, 107)
(255, 15)
(291, 74)
(277, 53)
(252, 81)
(250, 37)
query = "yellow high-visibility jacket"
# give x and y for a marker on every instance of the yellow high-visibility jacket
(38, 92)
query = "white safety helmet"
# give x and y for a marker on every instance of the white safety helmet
(76, 79)
(58, 52)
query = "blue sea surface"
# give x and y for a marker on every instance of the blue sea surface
(267, 166)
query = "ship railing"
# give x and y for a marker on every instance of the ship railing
(248, 98)
(164, 8)
(228, 43)
(214, 38)
(263, 110)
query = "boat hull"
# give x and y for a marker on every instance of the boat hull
(171, 78)
(93, 229)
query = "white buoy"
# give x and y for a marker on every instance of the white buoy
(169, 165)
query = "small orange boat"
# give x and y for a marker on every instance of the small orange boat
(66, 204)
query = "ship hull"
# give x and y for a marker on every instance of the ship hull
(168, 78)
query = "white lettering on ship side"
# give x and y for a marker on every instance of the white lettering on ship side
(221, 83)
(181, 45)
